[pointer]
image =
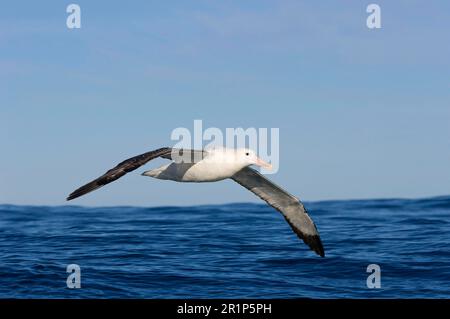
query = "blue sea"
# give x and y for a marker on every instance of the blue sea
(226, 251)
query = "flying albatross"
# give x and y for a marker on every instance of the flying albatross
(215, 165)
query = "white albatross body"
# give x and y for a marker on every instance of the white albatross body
(212, 166)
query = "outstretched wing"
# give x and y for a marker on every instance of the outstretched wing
(121, 169)
(129, 165)
(292, 209)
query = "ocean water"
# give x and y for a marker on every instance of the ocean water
(227, 251)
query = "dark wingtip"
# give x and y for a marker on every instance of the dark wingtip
(315, 244)
(72, 196)
(83, 191)
(313, 241)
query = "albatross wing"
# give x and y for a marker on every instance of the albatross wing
(129, 165)
(292, 209)
(120, 170)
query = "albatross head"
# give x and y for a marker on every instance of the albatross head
(248, 157)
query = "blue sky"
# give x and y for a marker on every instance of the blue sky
(362, 113)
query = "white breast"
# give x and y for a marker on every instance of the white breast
(207, 170)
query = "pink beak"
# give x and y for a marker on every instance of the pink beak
(264, 164)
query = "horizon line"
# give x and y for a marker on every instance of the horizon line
(238, 203)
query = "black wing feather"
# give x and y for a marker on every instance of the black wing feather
(120, 170)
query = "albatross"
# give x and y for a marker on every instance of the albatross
(215, 165)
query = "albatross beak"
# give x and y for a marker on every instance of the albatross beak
(264, 164)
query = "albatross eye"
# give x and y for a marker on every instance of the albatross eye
(247, 153)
